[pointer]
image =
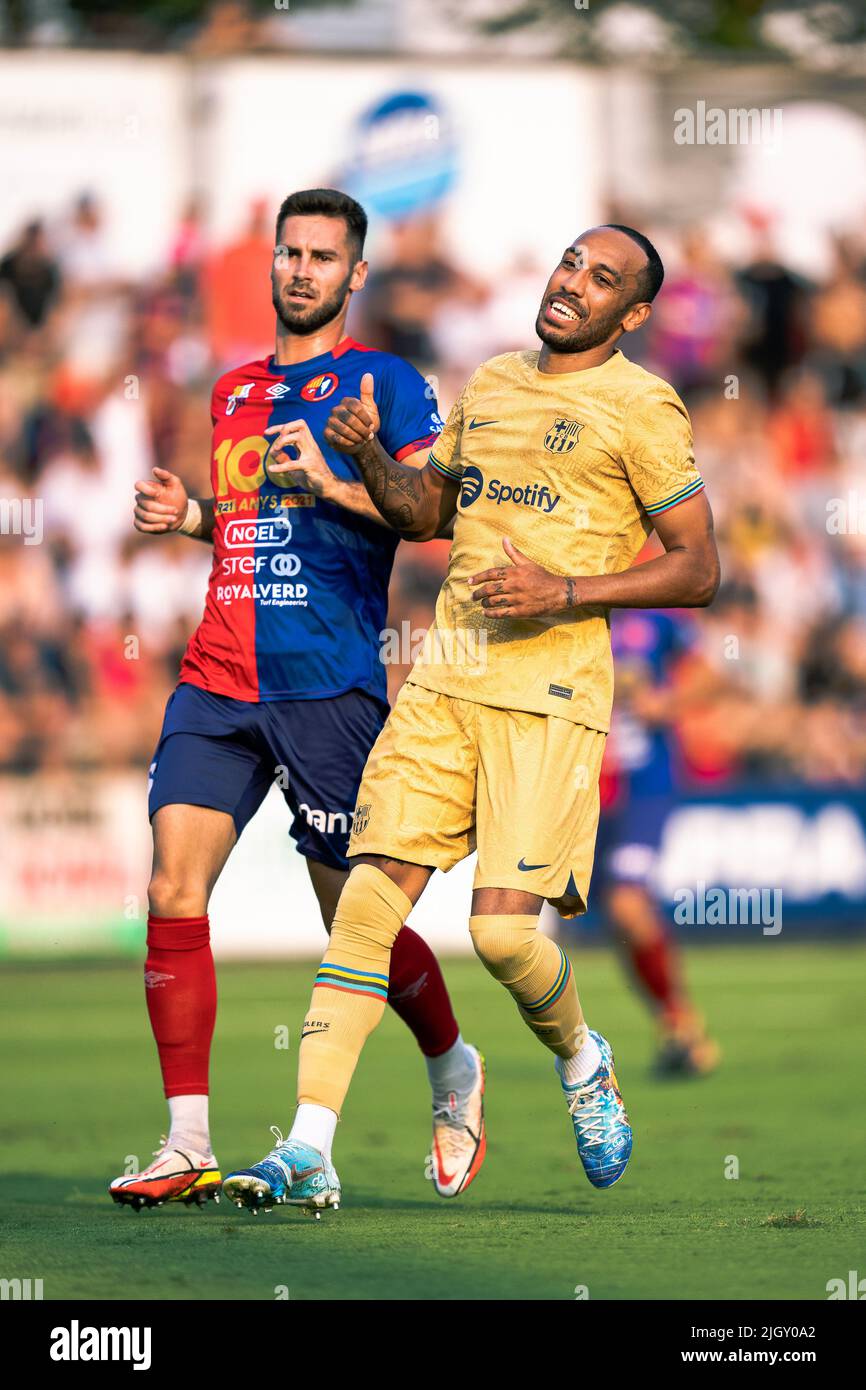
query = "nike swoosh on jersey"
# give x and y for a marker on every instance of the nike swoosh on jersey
(527, 868)
(479, 424)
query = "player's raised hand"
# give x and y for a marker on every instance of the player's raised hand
(354, 421)
(305, 465)
(160, 503)
(522, 589)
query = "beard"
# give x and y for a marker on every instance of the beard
(309, 318)
(580, 338)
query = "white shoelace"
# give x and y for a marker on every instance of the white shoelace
(275, 1156)
(455, 1118)
(592, 1113)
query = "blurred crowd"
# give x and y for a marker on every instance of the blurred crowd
(101, 379)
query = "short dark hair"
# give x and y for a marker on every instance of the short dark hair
(327, 202)
(653, 272)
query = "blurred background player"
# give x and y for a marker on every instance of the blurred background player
(282, 681)
(637, 791)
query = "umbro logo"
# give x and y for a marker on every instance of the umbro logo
(154, 980)
(411, 991)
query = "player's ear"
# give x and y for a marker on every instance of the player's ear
(359, 276)
(637, 315)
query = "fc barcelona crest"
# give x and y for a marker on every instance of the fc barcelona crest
(562, 438)
(361, 819)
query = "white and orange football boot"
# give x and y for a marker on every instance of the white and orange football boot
(685, 1047)
(176, 1175)
(459, 1136)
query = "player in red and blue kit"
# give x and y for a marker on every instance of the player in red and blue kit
(282, 681)
(638, 790)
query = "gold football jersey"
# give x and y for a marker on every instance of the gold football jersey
(572, 467)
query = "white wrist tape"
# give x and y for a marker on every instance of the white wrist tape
(191, 524)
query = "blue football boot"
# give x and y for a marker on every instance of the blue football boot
(601, 1125)
(292, 1174)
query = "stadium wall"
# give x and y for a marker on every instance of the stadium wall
(75, 859)
(142, 133)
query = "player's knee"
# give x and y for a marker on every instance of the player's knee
(370, 912)
(630, 912)
(507, 951)
(169, 895)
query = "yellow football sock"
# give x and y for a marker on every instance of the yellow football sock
(351, 986)
(537, 974)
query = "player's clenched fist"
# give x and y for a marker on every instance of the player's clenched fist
(353, 422)
(522, 589)
(160, 504)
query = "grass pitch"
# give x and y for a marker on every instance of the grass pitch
(81, 1092)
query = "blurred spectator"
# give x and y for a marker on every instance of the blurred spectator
(694, 319)
(417, 282)
(239, 314)
(84, 250)
(31, 275)
(187, 254)
(839, 328)
(776, 299)
(229, 27)
(801, 428)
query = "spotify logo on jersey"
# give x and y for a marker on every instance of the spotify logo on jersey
(537, 495)
(470, 485)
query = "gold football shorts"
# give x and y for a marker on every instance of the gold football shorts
(447, 776)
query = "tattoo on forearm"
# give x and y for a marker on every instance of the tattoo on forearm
(394, 489)
(570, 594)
(404, 482)
(400, 518)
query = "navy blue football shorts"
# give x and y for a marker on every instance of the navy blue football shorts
(224, 753)
(629, 840)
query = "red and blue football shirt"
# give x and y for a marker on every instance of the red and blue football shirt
(298, 591)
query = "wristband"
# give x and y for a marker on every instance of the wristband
(191, 524)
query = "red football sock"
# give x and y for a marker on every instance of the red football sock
(656, 965)
(180, 986)
(417, 993)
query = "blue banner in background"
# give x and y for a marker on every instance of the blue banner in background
(404, 156)
(748, 861)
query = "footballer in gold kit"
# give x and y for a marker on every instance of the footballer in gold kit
(555, 466)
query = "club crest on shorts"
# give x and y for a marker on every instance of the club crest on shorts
(563, 435)
(361, 819)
